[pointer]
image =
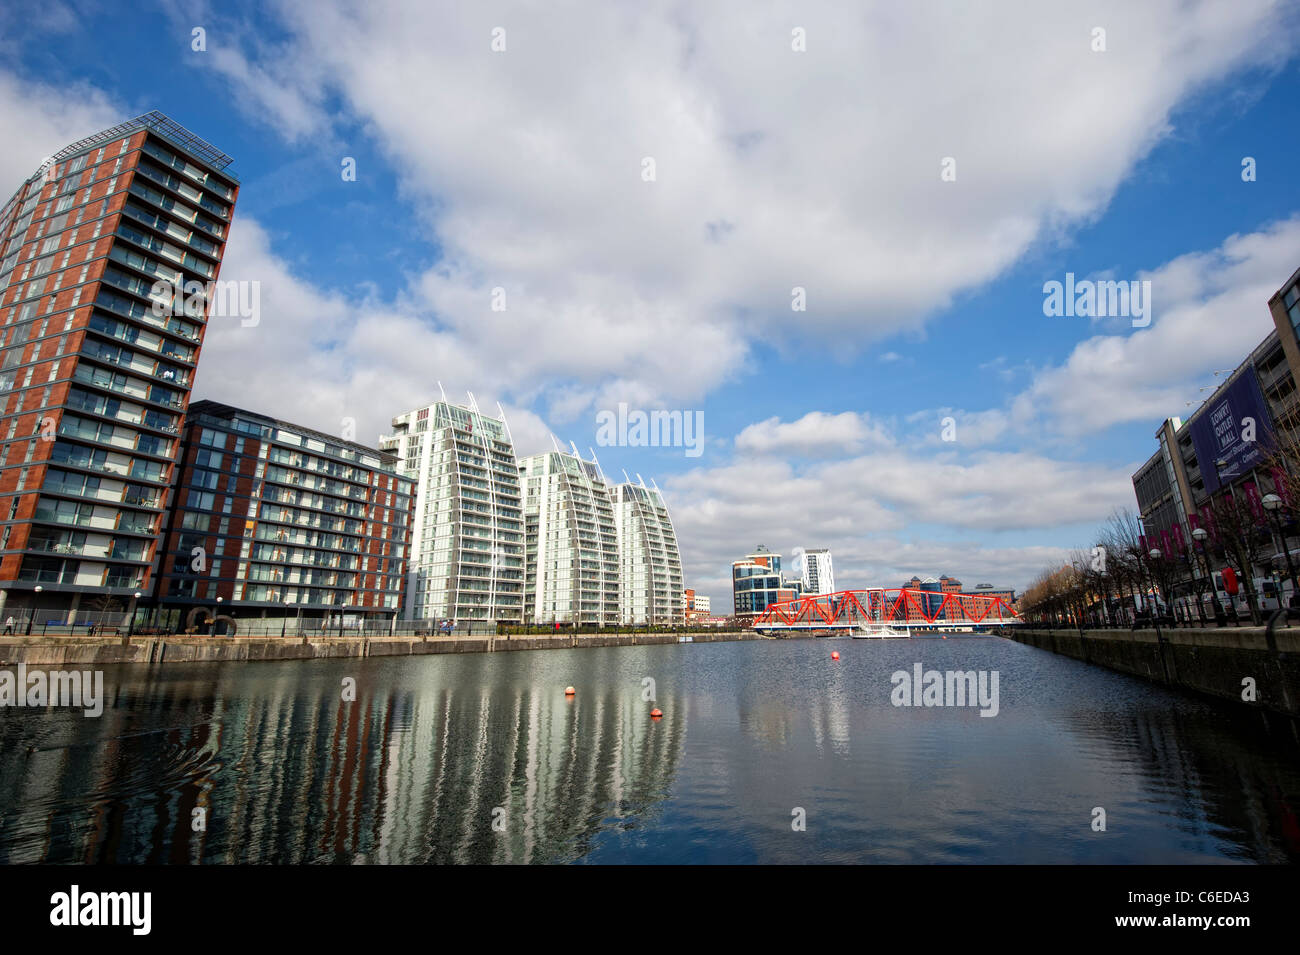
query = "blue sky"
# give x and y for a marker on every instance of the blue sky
(818, 168)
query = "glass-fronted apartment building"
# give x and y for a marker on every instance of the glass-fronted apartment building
(467, 532)
(571, 543)
(273, 520)
(106, 255)
(649, 563)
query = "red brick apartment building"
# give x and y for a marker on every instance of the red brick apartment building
(96, 362)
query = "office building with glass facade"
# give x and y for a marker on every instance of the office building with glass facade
(756, 583)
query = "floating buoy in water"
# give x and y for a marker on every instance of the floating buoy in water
(656, 713)
(569, 691)
(835, 654)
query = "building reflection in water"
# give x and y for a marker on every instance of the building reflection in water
(289, 773)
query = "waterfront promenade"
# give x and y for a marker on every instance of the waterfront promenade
(81, 650)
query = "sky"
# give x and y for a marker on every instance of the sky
(822, 230)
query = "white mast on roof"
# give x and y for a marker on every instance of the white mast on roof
(596, 461)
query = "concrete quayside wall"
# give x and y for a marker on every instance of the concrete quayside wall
(98, 651)
(1215, 661)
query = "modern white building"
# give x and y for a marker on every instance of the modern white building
(818, 574)
(571, 558)
(650, 566)
(467, 530)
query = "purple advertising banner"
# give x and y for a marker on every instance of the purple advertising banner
(1224, 429)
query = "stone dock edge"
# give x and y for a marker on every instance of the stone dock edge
(1215, 662)
(101, 651)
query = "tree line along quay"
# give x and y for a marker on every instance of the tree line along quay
(1196, 589)
(1213, 541)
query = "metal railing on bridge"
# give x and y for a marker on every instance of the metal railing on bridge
(899, 608)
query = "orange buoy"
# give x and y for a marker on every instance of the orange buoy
(656, 713)
(835, 654)
(569, 691)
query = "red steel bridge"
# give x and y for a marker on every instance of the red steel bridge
(897, 608)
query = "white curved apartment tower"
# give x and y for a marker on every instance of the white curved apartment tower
(650, 566)
(467, 531)
(571, 545)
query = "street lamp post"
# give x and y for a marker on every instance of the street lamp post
(1201, 535)
(1219, 465)
(130, 624)
(1158, 578)
(32, 616)
(1144, 570)
(1273, 504)
(212, 630)
(1194, 581)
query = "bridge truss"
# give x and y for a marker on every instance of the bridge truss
(898, 608)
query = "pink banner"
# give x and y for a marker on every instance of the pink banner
(1283, 485)
(1207, 515)
(1253, 500)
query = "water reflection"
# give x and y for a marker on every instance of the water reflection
(288, 772)
(435, 750)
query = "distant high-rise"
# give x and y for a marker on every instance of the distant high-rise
(108, 259)
(818, 574)
(650, 566)
(571, 544)
(467, 530)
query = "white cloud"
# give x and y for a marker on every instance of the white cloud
(816, 433)
(889, 514)
(1209, 310)
(527, 164)
(37, 120)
